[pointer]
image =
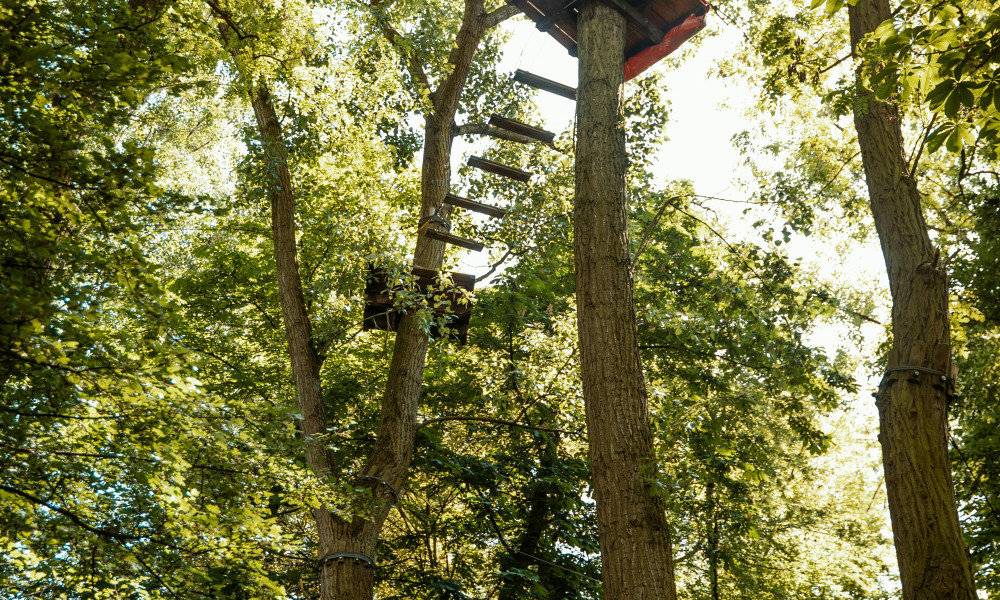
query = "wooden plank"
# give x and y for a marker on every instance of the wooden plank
(545, 23)
(496, 168)
(378, 280)
(522, 128)
(486, 209)
(454, 240)
(545, 84)
(652, 32)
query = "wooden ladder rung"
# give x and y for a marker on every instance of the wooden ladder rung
(522, 128)
(454, 239)
(486, 209)
(499, 169)
(545, 84)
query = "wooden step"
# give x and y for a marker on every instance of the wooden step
(454, 239)
(494, 167)
(545, 84)
(524, 129)
(486, 209)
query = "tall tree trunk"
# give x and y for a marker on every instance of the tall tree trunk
(631, 522)
(347, 549)
(390, 459)
(912, 399)
(298, 329)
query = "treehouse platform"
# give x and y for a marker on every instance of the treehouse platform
(655, 27)
(382, 314)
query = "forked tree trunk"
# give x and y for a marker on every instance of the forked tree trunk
(390, 460)
(349, 575)
(912, 399)
(631, 522)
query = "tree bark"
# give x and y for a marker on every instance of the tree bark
(349, 575)
(632, 526)
(304, 360)
(390, 459)
(912, 401)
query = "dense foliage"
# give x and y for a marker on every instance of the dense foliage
(149, 442)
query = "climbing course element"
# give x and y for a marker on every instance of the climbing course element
(655, 27)
(544, 84)
(546, 137)
(494, 211)
(381, 313)
(498, 169)
(448, 238)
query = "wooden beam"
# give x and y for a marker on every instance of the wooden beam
(454, 239)
(496, 168)
(545, 23)
(653, 33)
(545, 84)
(486, 209)
(524, 129)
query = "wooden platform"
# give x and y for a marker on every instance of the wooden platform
(648, 20)
(380, 314)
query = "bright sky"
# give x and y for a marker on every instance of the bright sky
(706, 111)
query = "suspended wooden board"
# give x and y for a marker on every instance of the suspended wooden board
(654, 27)
(381, 315)
(493, 211)
(498, 169)
(524, 129)
(544, 84)
(449, 238)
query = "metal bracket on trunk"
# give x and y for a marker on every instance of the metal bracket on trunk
(340, 557)
(945, 382)
(433, 218)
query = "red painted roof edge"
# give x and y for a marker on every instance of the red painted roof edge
(671, 41)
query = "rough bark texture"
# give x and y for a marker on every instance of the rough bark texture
(390, 459)
(298, 329)
(912, 402)
(385, 472)
(632, 526)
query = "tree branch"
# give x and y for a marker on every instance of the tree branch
(71, 516)
(494, 18)
(496, 422)
(228, 18)
(413, 66)
(495, 265)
